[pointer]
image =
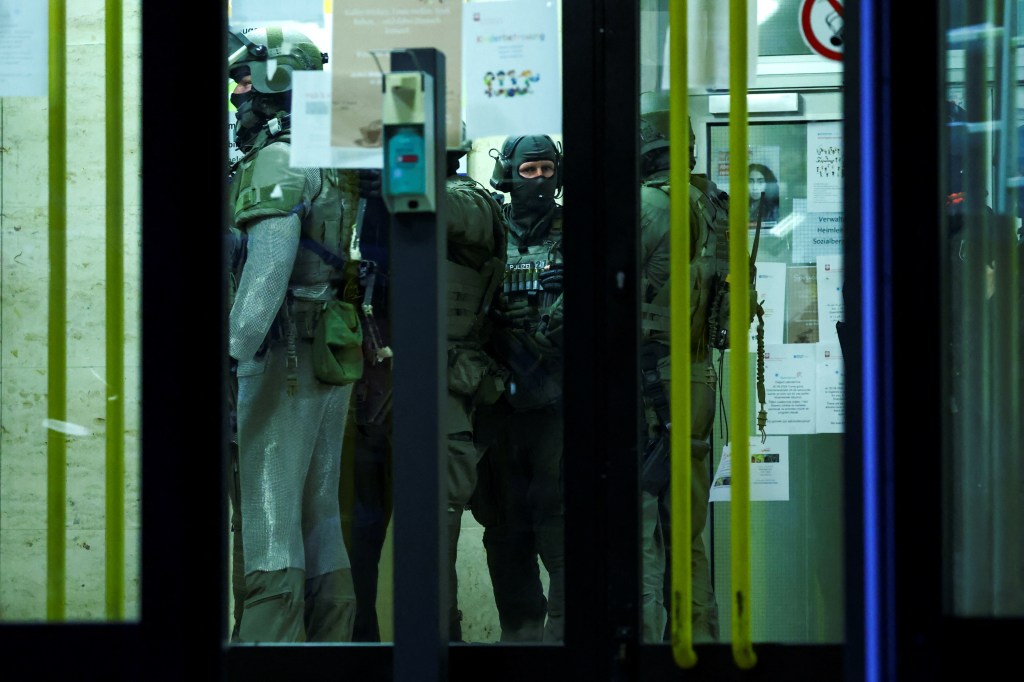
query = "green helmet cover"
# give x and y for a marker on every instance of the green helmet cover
(272, 53)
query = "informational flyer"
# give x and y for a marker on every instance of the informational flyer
(311, 121)
(771, 289)
(829, 271)
(365, 34)
(769, 471)
(24, 42)
(789, 381)
(825, 167)
(829, 388)
(513, 80)
(820, 234)
(801, 304)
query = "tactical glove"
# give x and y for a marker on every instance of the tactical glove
(369, 183)
(552, 278)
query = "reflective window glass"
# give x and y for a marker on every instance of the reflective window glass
(792, 187)
(981, 233)
(502, 271)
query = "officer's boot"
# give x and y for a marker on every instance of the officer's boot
(330, 607)
(367, 542)
(551, 545)
(454, 614)
(274, 605)
(515, 578)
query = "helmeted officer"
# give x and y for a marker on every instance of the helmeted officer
(519, 498)
(708, 213)
(474, 270)
(297, 578)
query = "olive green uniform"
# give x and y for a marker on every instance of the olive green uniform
(476, 263)
(655, 271)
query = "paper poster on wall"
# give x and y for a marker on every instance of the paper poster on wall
(364, 28)
(829, 273)
(708, 47)
(23, 48)
(801, 304)
(769, 471)
(762, 174)
(771, 289)
(513, 83)
(311, 120)
(829, 388)
(259, 12)
(818, 234)
(825, 167)
(789, 379)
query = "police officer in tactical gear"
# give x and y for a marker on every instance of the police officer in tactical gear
(707, 212)
(475, 267)
(366, 477)
(519, 498)
(297, 583)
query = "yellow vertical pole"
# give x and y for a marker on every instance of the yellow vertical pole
(681, 614)
(739, 323)
(56, 359)
(115, 313)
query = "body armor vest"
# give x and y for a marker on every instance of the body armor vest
(708, 269)
(524, 264)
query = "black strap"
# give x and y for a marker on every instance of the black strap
(653, 388)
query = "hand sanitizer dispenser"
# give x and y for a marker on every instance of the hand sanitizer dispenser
(408, 121)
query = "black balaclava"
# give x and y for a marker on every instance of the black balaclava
(532, 198)
(254, 114)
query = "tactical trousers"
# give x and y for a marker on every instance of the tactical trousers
(519, 502)
(283, 606)
(366, 505)
(657, 554)
(463, 457)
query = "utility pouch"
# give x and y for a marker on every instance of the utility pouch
(656, 467)
(338, 344)
(472, 374)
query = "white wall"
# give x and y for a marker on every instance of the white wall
(24, 281)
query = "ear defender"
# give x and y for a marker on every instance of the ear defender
(501, 177)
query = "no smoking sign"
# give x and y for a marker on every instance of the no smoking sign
(821, 25)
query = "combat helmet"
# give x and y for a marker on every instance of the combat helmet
(654, 126)
(271, 54)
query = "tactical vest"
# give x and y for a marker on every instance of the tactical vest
(471, 371)
(263, 184)
(537, 372)
(708, 270)
(524, 264)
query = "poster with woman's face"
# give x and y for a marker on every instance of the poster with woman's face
(762, 176)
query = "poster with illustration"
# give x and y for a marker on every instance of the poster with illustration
(762, 176)
(365, 34)
(825, 167)
(513, 83)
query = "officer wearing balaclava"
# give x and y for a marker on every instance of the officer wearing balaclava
(518, 498)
